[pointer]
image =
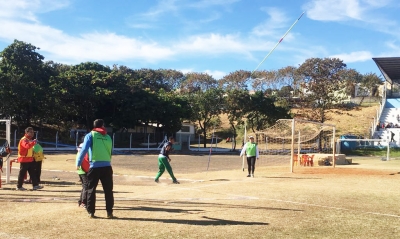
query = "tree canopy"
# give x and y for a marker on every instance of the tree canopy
(33, 90)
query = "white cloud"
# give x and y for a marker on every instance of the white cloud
(277, 20)
(216, 74)
(212, 44)
(162, 7)
(87, 47)
(23, 9)
(394, 49)
(333, 10)
(357, 56)
(211, 3)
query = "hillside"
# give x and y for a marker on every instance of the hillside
(355, 121)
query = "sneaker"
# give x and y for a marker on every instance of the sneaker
(110, 216)
(249, 176)
(83, 205)
(91, 215)
(176, 182)
(21, 189)
(156, 180)
(37, 187)
(252, 175)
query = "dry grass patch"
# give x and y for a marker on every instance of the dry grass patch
(353, 201)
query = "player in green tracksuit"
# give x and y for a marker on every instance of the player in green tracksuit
(164, 159)
(251, 150)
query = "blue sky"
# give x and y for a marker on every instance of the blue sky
(212, 36)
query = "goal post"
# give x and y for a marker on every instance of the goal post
(289, 141)
(8, 138)
(323, 127)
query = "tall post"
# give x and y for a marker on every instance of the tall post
(292, 147)
(388, 150)
(333, 147)
(8, 135)
(298, 145)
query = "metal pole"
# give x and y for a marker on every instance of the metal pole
(277, 44)
(333, 150)
(292, 147)
(148, 142)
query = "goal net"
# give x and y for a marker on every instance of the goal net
(294, 142)
(5, 125)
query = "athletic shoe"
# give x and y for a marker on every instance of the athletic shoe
(82, 206)
(249, 176)
(21, 189)
(175, 182)
(156, 180)
(37, 187)
(91, 215)
(252, 175)
(110, 216)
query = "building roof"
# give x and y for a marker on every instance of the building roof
(390, 68)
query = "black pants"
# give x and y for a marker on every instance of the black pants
(38, 167)
(31, 169)
(105, 175)
(251, 164)
(83, 197)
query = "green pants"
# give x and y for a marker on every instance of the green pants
(162, 165)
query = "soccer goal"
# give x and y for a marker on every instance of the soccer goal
(6, 123)
(295, 142)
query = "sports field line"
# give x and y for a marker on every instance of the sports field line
(332, 207)
(244, 197)
(236, 196)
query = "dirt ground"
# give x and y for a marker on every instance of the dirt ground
(360, 200)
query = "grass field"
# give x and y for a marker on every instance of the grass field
(360, 200)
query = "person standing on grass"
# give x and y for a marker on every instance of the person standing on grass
(26, 160)
(82, 172)
(98, 145)
(38, 156)
(251, 151)
(164, 159)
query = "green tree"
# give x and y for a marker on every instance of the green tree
(24, 82)
(173, 109)
(351, 78)
(370, 82)
(263, 113)
(206, 107)
(195, 82)
(322, 87)
(262, 80)
(81, 92)
(237, 80)
(172, 79)
(235, 106)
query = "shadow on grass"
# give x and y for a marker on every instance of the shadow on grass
(59, 183)
(208, 221)
(158, 209)
(186, 206)
(394, 173)
(289, 177)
